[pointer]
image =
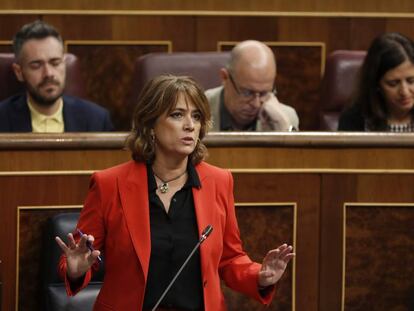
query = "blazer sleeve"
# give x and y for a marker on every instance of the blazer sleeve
(90, 222)
(237, 270)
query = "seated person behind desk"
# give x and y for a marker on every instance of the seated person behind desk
(40, 65)
(385, 93)
(247, 99)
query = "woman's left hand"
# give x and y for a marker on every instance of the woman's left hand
(274, 265)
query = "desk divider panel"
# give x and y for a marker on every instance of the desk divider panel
(107, 68)
(264, 226)
(31, 223)
(378, 257)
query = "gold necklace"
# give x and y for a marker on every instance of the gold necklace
(164, 186)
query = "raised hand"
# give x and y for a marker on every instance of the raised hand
(272, 117)
(274, 265)
(79, 257)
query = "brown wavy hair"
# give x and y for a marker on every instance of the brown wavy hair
(159, 96)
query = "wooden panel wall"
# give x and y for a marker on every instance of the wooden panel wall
(259, 234)
(382, 236)
(107, 68)
(216, 5)
(364, 227)
(32, 222)
(27, 191)
(303, 189)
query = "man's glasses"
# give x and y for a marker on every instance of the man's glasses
(250, 94)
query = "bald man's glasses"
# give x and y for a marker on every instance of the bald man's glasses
(250, 94)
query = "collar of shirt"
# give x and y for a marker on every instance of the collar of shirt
(192, 181)
(39, 118)
(226, 120)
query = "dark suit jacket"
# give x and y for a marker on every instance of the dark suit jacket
(79, 115)
(116, 213)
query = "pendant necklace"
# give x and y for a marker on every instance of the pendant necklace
(164, 185)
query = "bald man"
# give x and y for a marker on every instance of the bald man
(246, 100)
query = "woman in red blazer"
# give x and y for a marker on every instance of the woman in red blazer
(146, 216)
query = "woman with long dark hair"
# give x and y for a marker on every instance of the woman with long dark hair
(384, 98)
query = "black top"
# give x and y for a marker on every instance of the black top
(173, 237)
(226, 123)
(352, 120)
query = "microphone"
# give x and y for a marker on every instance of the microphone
(206, 232)
(204, 235)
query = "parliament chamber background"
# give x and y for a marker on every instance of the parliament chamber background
(345, 201)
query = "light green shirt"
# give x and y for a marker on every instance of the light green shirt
(47, 124)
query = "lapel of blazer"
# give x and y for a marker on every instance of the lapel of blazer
(71, 117)
(204, 212)
(135, 204)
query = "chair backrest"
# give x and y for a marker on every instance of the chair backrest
(338, 85)
(204, 67)
(54, 293)
(11, 86)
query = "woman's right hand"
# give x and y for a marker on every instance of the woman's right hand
(78, 256)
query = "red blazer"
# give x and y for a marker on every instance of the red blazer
(116, 213)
